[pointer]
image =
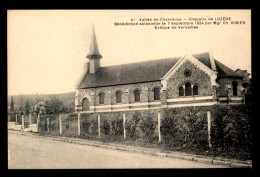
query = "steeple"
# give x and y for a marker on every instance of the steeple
(94, 52)
(94, 55)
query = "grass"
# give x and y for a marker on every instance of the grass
(214, 153)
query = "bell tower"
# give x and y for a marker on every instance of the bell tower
(94, 55)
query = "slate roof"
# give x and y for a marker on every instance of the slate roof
(146, 71)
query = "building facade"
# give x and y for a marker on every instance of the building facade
(190, 80)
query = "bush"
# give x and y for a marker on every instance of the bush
(194, 127)
(169, 129)
(131, 125)
(89, 124)
(106, 127)
(232, 127)
(117, 126)
(147, 125)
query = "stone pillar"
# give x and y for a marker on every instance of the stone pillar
(30, 119)
(163, 99)
(99, 125)
(16, 119)
(229, 92)
(22, 122)
(38, 121)
(184, 93)
(191, 89)
(146, 95)
(214, 93)
(60, 123)
(127, 92)
(79, 124)
(209, 129)
(8, 118)
(48, 125)
(159, 126)
(124, 126)
(92, 102)
(109, 93)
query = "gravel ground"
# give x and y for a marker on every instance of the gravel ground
(31, 152)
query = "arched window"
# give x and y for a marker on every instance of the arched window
(85, 104)
(118, 97)
(181, 91)
(187, 89)
(195, 90)
(101, 98)
(234, 84)
(137, 95)
(156, 94)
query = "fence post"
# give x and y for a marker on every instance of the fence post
(124, 126)
(30, 119)
(60, 124)
(8, 118)
(22, 122)
(15, 119)
(209, 131)
(159, 126)
(48, 125)
(79, 124)
(98, 125)
(38, 121)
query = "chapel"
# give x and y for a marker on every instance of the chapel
(189, 80)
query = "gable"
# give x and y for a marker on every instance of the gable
(194, 61)
(196, 77)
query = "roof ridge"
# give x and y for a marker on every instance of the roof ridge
(147, 61)
(158, 59)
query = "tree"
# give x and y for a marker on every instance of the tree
(27, 107)
(21, 107)
(54, 105)
(12, 104)
(39, 107)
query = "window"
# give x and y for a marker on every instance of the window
(137, 95)
(234, 84)
(118, 97)
(156, 94)
(187, 73)
(181, 91)
(188, 89)
(101, 98)
(85, 104)
(195, 90)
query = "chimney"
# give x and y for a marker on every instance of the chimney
(212, 61)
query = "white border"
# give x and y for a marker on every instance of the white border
(190, 99)
(192, 104)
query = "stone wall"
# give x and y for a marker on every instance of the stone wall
(197, 77)
(222, 91)
(146, 93)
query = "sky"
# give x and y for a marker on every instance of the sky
(47, 49)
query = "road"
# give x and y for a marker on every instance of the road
(27, 152)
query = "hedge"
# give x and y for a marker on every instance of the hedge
(185, 128)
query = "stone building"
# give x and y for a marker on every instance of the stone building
(190, 80)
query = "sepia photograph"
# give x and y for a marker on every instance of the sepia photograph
(129, 89)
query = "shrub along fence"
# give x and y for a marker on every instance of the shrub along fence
(181, 128)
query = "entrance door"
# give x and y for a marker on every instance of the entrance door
(85, 104)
